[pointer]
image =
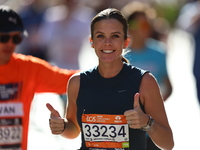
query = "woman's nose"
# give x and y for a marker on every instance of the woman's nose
(108, 41)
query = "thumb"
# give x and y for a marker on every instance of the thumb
(54, 113)
(136, 101)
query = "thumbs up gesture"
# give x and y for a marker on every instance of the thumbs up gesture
(56, 123)
(135, 117)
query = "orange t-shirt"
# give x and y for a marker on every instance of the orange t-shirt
(20, 79)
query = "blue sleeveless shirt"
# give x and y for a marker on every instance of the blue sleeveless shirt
(98, 95)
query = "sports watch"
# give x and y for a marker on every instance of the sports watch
(149, 124)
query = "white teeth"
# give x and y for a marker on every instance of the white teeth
(107, 51)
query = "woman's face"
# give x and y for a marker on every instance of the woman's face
(108, 40)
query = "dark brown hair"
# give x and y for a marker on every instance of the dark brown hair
(111, 13)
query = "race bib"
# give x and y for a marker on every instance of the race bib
(10, 91)
(11, 126)
(103, 132)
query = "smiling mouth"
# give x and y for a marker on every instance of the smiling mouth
(107, 51)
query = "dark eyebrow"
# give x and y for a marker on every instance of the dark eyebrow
(116, 33)
(99, 32)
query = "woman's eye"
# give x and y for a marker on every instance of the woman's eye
(115, 36)
(100, 36)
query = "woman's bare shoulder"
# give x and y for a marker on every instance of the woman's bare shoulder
(148, 79)
(149, 88)
(74, 81)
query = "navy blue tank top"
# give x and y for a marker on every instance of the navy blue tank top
(98, 95)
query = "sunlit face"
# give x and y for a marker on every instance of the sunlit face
(108, 40)
(7, 48)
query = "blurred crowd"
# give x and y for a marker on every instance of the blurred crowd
(58, 29)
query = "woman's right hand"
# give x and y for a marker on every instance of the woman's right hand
(56, 123)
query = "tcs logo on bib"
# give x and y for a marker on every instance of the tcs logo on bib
(91, 119)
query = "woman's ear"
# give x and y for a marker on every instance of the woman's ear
(126, 42)
(91, 43)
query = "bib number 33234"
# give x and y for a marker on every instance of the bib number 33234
(105, 131)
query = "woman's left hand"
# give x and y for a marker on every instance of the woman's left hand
(135, 117)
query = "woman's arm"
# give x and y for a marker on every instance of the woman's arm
(151, 98)
(72, 128)
(67, 127)
(149, 95)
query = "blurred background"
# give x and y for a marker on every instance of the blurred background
(58, 32)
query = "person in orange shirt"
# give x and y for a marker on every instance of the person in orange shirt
(21, 77)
